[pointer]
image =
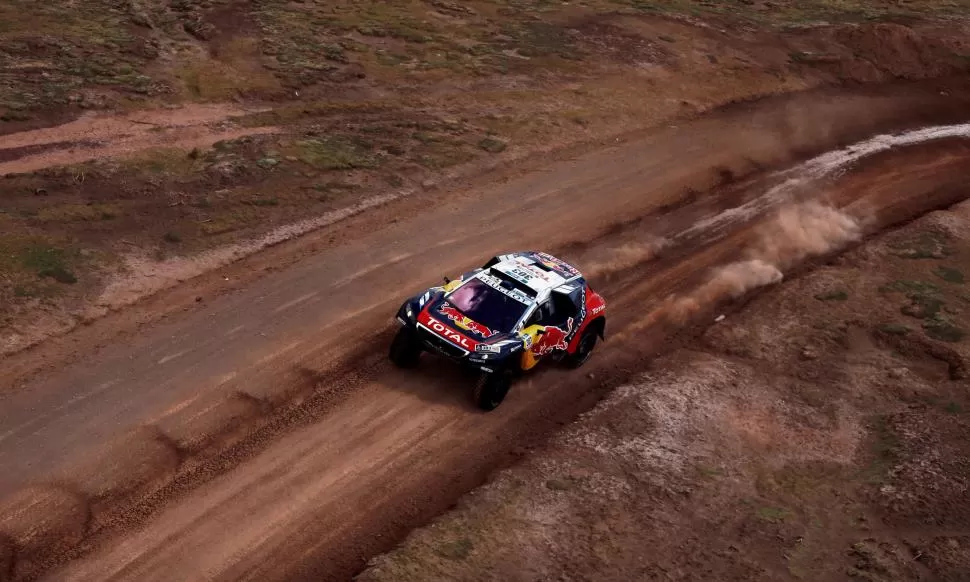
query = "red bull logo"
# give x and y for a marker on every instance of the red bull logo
(464, 322)
(553, 338)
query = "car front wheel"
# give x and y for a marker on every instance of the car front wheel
(491, 390)
(405, 349)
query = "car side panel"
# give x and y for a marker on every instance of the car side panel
(592, 307)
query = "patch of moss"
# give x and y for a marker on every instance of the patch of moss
(940, 328)
(949, 275)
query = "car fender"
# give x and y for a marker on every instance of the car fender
(593, 311)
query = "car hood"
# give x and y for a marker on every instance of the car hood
(445, 320)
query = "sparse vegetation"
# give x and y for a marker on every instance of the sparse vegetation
(950, 275)
(922, 306)
(919, 287)
(835, 295)
(773, 514)
(894, 328)
(492, 145)
(925, 245)
(336, 153)
(940, 328)
(456, 550)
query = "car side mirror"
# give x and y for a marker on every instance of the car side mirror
(447, 280)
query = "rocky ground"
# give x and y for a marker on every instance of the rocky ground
(820, 433)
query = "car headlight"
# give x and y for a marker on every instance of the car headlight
(488, 349)
(424, 298)
(410, 312)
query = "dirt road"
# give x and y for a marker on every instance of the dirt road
(271, 440)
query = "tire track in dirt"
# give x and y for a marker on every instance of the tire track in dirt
(101, 136)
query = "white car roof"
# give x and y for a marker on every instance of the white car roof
(524, 270)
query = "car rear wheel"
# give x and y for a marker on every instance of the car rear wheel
(491, 390)
(405, 349)
(584, 350)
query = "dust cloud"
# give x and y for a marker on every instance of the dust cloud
(794, 234)
(626, 256)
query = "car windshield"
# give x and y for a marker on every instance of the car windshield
(487, 305)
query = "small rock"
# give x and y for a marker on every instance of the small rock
(198, 299)
(719, 319)
(898, 373)
(809, 354)
(141, 19)
(291, 159)
(427, 184)
(268, 162)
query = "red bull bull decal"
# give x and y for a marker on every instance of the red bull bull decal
(553, 338)
(464, 322)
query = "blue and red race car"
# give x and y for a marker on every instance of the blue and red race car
(502, 319)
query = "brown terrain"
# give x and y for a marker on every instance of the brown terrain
(213, 208)
(818, 433)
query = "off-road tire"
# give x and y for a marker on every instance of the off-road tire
(584, 350)
(491, 389)
(405, 350)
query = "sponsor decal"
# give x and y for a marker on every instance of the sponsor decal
(521, 274)
(556, 264)
(598, 309)
(582, 316)
(496, 283)
(554, 338)
(462, 321)
(445, 331)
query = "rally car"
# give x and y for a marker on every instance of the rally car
(502, 320)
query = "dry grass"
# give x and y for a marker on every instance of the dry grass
(236, 71)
